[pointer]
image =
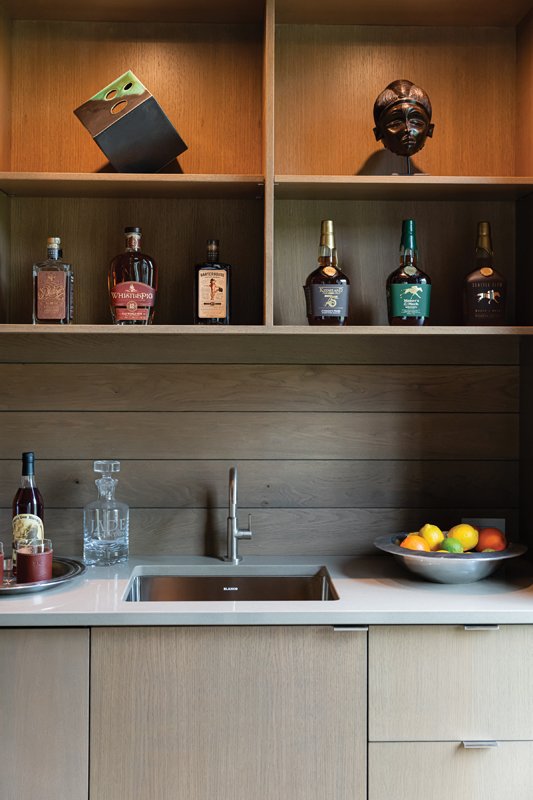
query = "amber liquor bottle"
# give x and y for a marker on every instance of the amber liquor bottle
(408, 288)
(132, 283)
(28, 506)
(53, 287)
(327, 288)
(485, 290)
(212, 288)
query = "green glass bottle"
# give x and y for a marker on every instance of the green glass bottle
(408, 288)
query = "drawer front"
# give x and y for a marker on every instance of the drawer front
(444, 770)
(443, 682)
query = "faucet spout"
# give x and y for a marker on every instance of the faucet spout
(233, 532)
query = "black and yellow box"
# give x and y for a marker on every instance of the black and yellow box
(130, 127)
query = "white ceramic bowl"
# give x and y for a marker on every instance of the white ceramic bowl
(447, 567)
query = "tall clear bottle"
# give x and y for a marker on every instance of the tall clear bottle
(105, 521)
(485, 289)
(408, 288)
(53, 287)
(132, 283)
(327, 287)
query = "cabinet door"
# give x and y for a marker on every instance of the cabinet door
(253, 713)
(444, 770)
(44, 714)
(444, 682)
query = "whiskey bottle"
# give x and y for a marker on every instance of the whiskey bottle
(485, 290)
(53, 287)
(408, 288)
(28, 507)
(132, 283)
(327, 287)
(212, 288)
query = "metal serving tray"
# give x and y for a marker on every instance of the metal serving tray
(63, 570)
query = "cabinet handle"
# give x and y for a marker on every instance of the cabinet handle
(482, 627)
(480, 745)
(350, 628)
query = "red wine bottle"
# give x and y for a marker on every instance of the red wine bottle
(28, 507)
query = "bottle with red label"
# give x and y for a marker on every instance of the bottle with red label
(132, 283)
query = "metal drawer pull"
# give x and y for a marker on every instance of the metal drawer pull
(482, 627)
(350, 628)
(481, 745)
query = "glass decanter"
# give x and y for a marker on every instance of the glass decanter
(105, 521)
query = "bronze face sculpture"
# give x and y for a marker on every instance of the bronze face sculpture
(402, 113)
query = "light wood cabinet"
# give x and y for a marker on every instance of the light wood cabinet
(44, 714)
(228, 712)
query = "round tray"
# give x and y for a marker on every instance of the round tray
(447, 567)
(63, 570)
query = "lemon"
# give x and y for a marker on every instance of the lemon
(466, 534)
(432, 534)
(452, 545)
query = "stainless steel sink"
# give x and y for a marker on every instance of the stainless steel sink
(232, 587)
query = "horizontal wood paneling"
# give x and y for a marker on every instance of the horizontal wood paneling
(368, 240)
(337, 531)
(207, 79)
(280, 435)
(328, 76)
(179, 387)
(270, 346)
(279, 484)
(174, 234)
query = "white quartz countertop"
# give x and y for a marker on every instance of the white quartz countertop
(373, 591)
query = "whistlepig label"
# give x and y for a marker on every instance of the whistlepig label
(132, 300)
(212, 293)
(410, 299)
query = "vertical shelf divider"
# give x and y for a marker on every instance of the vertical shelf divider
(268, 157)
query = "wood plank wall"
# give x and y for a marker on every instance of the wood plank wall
(329, 455)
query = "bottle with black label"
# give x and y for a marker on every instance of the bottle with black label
(28, 507)
(485, 290)
(408, 288)
(212, 288)
(327, 287)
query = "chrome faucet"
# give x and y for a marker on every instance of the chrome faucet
(234, 534)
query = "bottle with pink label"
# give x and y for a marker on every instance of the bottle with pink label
(132, 283)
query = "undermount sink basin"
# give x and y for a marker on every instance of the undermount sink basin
(229, 586)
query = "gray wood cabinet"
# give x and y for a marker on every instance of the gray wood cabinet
(228, 712)
(44, 714)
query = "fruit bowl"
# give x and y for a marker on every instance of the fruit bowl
(447, 567)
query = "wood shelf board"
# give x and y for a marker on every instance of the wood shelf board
(138, 10)
(410, 12)
(396, 187)
(265, 330)
(68, 184)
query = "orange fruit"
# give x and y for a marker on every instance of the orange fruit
(491, 539)
(466, 534)
(415, 542)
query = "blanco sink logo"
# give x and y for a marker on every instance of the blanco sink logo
(231, 588)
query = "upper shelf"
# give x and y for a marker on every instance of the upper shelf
(69, 184)
(400, 187)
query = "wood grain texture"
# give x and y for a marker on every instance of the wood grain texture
(368, 239)
(206, 78)
(5, 90)
(277, 435)
(524, 156)
(411, 12)
(285, 531)
(181, 387)
(246, 345)
(268, 155)
(270, 484)
(5, 260)
(238, 713)
(174, 234)
(46, 711)
(526, 440)
(401, 710)
(336, 72)
(417, 770)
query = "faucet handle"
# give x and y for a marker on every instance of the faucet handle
(247, 532)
